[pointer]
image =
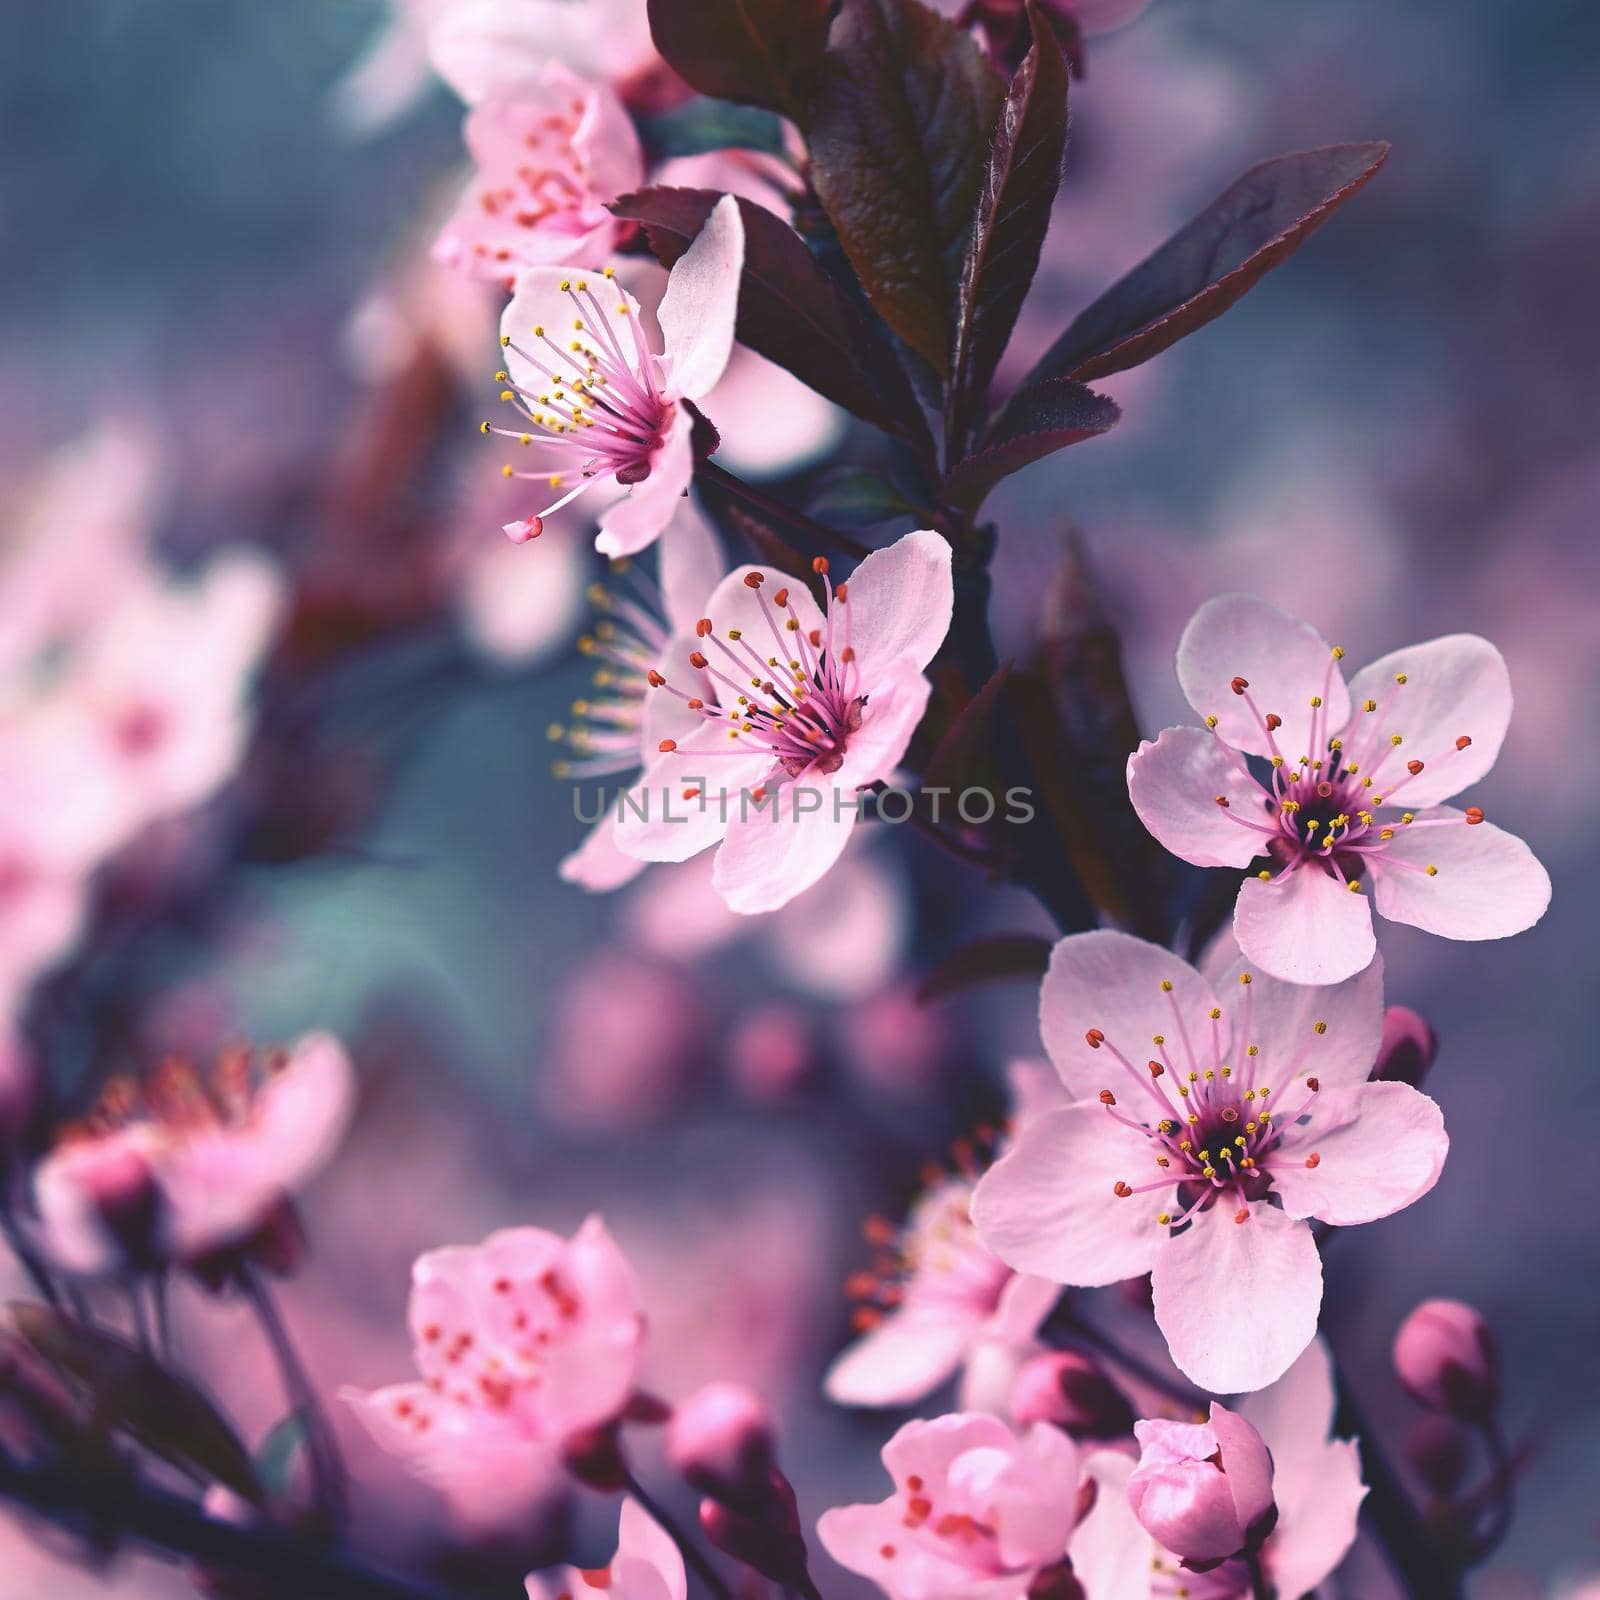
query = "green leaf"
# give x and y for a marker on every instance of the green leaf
(702, 124)
(899, 139)
(134, 1394)
(276, 1456)
(859, 499)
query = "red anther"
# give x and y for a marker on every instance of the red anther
(847, 654)
(1313, 1160)
(691, 794)
(1274, 722)
(815, 636)
(780, 598)
(861, 1286)
(1313, 1085)
(1094, 1038)
(879, 1230)
(1463, 742)
(666, 745)
(1121, 1190)
(754, 580)
(1242, 1216)
(696, 660)
(696, 705)
(841, 592)
(1474, 816)
(864, 1318)
(702, 627)
(1156, 1069)
(1107, 1098)
(759, 793)
(819, 564)
(1222, 800)
(1413, 767)
(1239, 685)
(654, 678)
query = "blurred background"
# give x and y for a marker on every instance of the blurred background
(216, 324)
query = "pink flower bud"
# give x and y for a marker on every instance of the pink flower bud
(720, 1439)
(1445, 1356)
(1408, 1048)
(1072, 1392)
(770, 1543)
(1203, 1491)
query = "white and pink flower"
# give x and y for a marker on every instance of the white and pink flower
(784, 710)
(600, 407)
(1209, 1125)
(1348, 811)
(185, 1167)
(547, 164)
(521, 1342)
(647, 1566)
(980, 1512)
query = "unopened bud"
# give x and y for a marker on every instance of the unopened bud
(594, 1457)
(720, 1439)
(770, 1544)
(1072, 1392)
(1446, 1358)
(1408, 1048)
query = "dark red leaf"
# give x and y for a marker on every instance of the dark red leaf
(757, 52)
(1210, 262)
(1019, 188)
(788, 311)
(987, 960)
(952, 758)
(898, 139)
(1038, 422)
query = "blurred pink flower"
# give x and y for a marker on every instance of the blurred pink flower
(772, 1050)
(522, 1341)
(1205, 1175)
(895, 1043)
(647, 1566)
(981, 1513)
(1270, 687)
(1315, 1484)
(186, 1168)
(162, 683)
(517, 608)
(611, 410)
(853, 695)
(547, 164)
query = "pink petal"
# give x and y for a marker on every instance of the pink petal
(896, 700)
(1490, 885)
(1110, 1552)
(597, 864)
(1246, 1465)
(928, 1449)
(1285, 663)
(1048, 1206)
(643, 514)
(1246, 1337)
(690, 563)
(900, 600)
(1295, 1415)
(1455, 687)
(520, 605)
(1112, 982)
(1033, 1511)
(1317, 1519)
(1173, 784)
(1378, 1147)
(773, 853)
(1024, 1304)
(697, 311)
(641, 1539)
(656, 823)
(770, 423)
(540, 302)
(908, 1355)
(1283, 1021)
(754, 612)
(1304, 928)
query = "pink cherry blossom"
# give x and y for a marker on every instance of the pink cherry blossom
(1350, 817)
(597, 405)
(772, 774)
(521, 1341)
(1315, 1484)
(1207, 1126)
(1202, 1489)
(647, 1566)
(547, 164)
(183, 1167)
(611, 730)
(980, 1512)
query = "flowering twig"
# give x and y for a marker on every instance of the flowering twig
(692, 1553)
(817, 532)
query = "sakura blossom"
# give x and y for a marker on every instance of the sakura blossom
(835, 703)
(546, 164)
(639, 629)
(979, 1512)
(1210, 1123)
(521, 1342)
(647, 1566)
(1348, 813)
(1313, 1483)
(602, 408)
(186, 1166)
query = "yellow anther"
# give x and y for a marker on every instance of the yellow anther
(1432, 871)
(1211, 722)
(1166, 986)
(1316, 702)
(1369, 705)
(1395, 739)
(1244, 977)
(1338, 652)
(1214, 1013)
(505, 340)
(1399, 677)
